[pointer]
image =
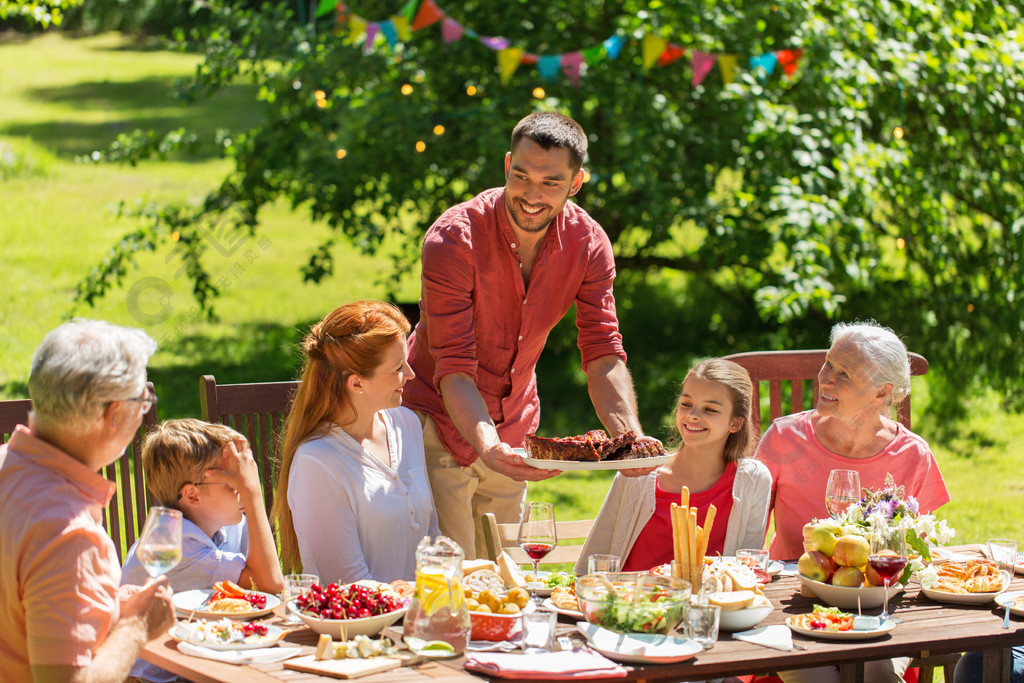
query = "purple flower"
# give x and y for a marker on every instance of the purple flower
(911, 504)
(886, 507)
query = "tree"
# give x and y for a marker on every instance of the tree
(882, 180)
(44, 14)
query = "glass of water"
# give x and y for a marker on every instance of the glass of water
(294, 586)
(159, 547)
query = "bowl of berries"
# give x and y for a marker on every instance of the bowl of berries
(344, 611)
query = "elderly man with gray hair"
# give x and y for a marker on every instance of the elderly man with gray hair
(62, 614)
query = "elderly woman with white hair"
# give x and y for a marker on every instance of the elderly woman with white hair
(866, 373)
(63, 616)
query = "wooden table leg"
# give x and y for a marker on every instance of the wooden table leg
(996, 666)
(852, 672)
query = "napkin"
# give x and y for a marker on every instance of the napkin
(262, 655)
(564, 664)
(776, 636)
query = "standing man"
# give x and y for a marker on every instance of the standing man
(499, 271)
(62, 615)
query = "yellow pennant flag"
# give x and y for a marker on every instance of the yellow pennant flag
(651, 48)
(401, 24)
(727, 63)
(356, 28)
(508, 62)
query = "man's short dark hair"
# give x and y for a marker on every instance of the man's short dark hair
(551, 129)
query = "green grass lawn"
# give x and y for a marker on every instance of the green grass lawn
(63, 97)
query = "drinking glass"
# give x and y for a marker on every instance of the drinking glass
(702, 624)
(603, 563)
(842, 491)
(888, 558)
(753, 557)
(160, 542)
(294, 586)
(538, 630)
(537, 535)
(1003, 552)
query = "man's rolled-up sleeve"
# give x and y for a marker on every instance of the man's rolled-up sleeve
(596, 318)
(448, 280)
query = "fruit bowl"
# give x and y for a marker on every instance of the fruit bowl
(846, 598)
(632, 602)
(367, 626)
(493, 627)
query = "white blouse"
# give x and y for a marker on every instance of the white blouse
(355, 517)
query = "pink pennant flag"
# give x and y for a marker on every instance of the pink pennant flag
(451, 30)
(702, 63)
(571, 66)
(496, 43)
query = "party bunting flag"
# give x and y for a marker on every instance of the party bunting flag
(387, 28)
(571, 67)
(372, 29)
(408, 11)
(508, 60)
(401, 24)
(427, 15)
(652, 46)
(788, 60)
(356, 28)
(324, 7)
(727, 65)
(702, 63)
(764, 64)
(549, 66)
(613, 45)
(592, 55)
(495, 43)
(671, 54)
(451, 30)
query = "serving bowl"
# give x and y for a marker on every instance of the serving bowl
(846, 598)
(632, 602)
(742, 619)
(491, 626)
(367, 626)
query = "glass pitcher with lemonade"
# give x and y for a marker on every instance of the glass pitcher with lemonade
(437, 622)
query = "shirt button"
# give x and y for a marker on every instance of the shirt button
(513, 371)
(513, 245)
(520, 337)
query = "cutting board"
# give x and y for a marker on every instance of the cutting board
(344, 668)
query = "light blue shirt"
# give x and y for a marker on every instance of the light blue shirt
(204, 561)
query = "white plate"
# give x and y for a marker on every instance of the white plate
(1003, 598)
(542, 590)
(638, 648)
(846, 598)
(775, 567)
(187, 603)
(572, 465)
(274, 633)
(574, 614)
(842, 635)
(959, 598)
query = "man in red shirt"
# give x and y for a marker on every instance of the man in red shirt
(498, 272)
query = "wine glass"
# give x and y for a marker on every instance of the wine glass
(537, 535)
(842, 491)
(160, 543)
(888, 558)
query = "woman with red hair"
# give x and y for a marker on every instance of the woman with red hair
(352, 465)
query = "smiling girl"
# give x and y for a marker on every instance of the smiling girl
(712, 460)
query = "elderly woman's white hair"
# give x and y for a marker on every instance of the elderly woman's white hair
(884, 352)
(83, 365)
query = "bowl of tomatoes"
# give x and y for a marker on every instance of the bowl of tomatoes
(348, 610)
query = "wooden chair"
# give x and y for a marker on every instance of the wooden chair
(256, 410)
(498, 537)
(126, 514)
(793, 368)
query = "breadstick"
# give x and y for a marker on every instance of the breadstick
(692, 532)
(684, 498)
(677, 548)
(684, 544)
(709, 521)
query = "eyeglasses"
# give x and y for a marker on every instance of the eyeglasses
(147, 401)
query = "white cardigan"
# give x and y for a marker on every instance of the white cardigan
(630, 504)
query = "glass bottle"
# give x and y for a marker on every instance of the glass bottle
(438, 613)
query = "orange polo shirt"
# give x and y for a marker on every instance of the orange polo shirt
(59, 571)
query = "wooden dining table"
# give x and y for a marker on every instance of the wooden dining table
(929, 629)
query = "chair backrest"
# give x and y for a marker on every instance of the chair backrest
(256, 410)
(793, 368)
(126, 514)
(498, 537)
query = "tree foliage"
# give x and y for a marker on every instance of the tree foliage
(788, 202)
(43, 14)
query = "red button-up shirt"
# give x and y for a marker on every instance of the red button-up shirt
(478, 317)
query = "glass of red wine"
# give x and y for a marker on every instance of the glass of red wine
(537, 535)
(842, 491)
(888, 558)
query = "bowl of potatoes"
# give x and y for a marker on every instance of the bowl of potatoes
(495, 616)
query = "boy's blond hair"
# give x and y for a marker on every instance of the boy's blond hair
(179, 452)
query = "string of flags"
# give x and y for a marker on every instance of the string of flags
(656, 51)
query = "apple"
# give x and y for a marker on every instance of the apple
(851, 551)
(823, 540)
(849, 577)
(873, 577)
(815, 565)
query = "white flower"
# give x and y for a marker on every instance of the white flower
(928, 576)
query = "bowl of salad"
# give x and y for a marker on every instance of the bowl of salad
(633, 602)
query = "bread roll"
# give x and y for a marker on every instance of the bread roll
(732, 600)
